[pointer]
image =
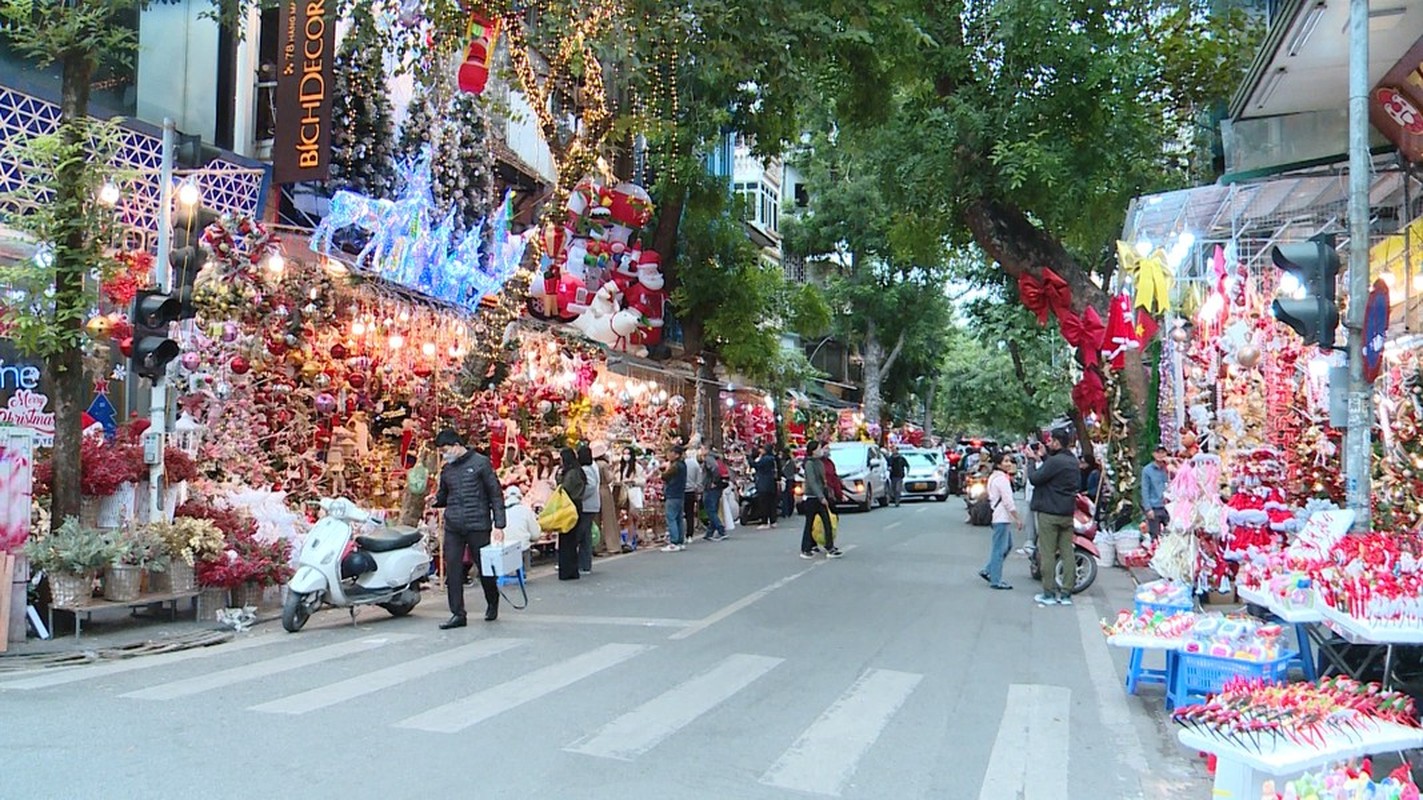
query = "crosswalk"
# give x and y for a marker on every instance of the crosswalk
(279, 675)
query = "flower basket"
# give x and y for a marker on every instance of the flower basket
(121, 582)
(89, 510)
(247, 594)
(178, 577)
(211, 600)
(70, 590)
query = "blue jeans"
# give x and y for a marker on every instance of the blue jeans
(1002, 544)
(676, 533)
(711, 501)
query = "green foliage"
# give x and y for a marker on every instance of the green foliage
(71, 548)
(49, 32)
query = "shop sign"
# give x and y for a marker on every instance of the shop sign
(26, 410)
(1396, 104)
(306, 49)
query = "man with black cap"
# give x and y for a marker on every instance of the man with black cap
(1055, 481)
(474, 507)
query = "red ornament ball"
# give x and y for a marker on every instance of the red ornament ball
(238, 365)
(126, 346)
(338, 352)
(356, 379)
(423, 371)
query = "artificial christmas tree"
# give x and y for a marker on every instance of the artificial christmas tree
(363, 134)
(455, 126)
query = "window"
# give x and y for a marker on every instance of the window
(770, 215)
(747, 194)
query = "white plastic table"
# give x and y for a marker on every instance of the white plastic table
(1241, 774)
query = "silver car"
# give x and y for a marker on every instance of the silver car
(926, 477)
(863, 471)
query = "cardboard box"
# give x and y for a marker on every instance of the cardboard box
(1222, 598)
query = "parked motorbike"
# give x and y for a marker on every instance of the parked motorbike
(975, 499)
(1084, 531)
(385, 569)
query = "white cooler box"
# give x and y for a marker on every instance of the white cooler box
(501, 559)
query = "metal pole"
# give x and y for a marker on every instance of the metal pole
(158, 398)
(1356, 446)
(1407, 217)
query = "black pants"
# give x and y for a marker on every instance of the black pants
(568, 552)
(455, 546)
(768, 501)
(815, 506)
(689, 512)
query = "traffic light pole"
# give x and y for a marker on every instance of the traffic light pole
(1356, 445)
(158, 397)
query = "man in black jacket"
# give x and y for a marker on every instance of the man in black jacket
(474, 507)
(898, 467)
(1055, 482)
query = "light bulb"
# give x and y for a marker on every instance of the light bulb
(358, 328)
(428, 348)
(396, 341)
(276, 263)
(109, 194)
(188, 193)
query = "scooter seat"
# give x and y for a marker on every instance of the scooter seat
(384, 544)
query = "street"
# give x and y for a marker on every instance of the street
(730, 670)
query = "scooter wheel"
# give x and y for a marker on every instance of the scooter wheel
(295, 611)
(401, 608)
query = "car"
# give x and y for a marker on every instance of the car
(927, 476)
(863, 471)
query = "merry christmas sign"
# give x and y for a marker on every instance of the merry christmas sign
(26, 410)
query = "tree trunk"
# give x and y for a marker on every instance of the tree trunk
(929, 407)
(710, 389)
(1007, 235)
(874, 367)
(66, 368)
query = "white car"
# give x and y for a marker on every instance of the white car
(926, 477)
(863, 471)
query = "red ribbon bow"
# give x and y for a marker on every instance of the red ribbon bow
(1048, 294)
(1085, 333)
(1089, 395)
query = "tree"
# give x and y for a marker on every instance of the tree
(362, 139)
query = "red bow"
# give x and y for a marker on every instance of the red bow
(1089, 395)
(1050, 293)
(1084, 332)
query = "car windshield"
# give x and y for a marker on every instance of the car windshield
(919, 461)
(849, 460)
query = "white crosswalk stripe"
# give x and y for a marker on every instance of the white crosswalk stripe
(1029, 758)
(371, 682)
(643, 728)
(469, 711)
(827, 753)
(262, 669)
(66, 675)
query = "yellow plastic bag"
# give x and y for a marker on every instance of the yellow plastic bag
(817, 527)
(559, 515)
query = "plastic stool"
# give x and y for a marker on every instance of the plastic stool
(1305, 660)
(516, 578)
(1137, 674)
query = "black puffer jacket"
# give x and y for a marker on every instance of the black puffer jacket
(470, 495)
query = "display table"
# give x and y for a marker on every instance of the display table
(1240, 774)
(99, 604)
(1301, 619)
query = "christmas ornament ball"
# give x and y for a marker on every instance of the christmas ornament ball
(229, 332)
(191, 361)
(1248, 356)
(545, 406)
(325, 403)
(238, 365)
(1180, 335)
(323, 380)
(98, 327)
(356, 379)
(292, 340)
(677, 401)
(423, 371)
(338, 352)
(310, 370)
(223, 390)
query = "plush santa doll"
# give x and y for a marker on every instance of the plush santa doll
(625, 273)
(648, 298)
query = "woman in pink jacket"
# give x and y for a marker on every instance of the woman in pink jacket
(1005, 510)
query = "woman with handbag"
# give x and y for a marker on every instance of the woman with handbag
(1005, 510)
(629, 482)
(766, 499)
(573, 482)
(609, 541)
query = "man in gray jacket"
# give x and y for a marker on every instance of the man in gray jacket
(474, 507)
(817, 503)
(1055, 481)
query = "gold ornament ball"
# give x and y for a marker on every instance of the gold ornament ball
(98, 327)
(1248, 356)
(1180, 335)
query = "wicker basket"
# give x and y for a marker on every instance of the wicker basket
(178, 577)
(70, 590)
(247, 594)
(122, 582)
(210, 601)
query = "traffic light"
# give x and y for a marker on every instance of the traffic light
(184, 253)
(1315, 265)
(153, 314)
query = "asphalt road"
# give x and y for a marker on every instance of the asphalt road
(731, 670)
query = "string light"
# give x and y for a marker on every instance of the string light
(109, 194)
(188, 193)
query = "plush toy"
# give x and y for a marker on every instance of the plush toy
(603, 321)
(630, 205)
(648, 299)
(625, 273)
(572, 296)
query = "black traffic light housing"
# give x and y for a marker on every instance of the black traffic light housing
(153, 313)
(185, 253)
(1315, 264)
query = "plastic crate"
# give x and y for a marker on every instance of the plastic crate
(1197, 675)
(1143, 606)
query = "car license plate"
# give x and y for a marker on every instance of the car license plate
(920, 487)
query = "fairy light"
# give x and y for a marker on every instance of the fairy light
(109, 194)
(428, 348)
(395, 342)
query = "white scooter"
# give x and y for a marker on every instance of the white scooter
(385, 570)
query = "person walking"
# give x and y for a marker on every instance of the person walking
(469, 494)
(696, 477)
(898, 466)
(609, 543)
(674, 483)
(1005, 511)
(1153, 492)
(1055, 481)
(573, 481)
(715, 484)
(818, 501)
(590, 508)
(764, 467)
(789, 473)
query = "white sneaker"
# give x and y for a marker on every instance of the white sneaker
(672, 548)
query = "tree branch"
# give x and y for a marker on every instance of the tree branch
(1007, 235)
(893, 354)
(1016, 353)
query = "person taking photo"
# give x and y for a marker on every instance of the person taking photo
(1055, 481)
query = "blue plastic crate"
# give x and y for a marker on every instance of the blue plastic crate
(1198, 675)
(1142, 606)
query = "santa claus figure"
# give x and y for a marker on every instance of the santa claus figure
(648, 298)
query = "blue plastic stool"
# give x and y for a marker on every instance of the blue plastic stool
(628, 542)
(516, 578)
(1137, 674)
(1305, 660)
